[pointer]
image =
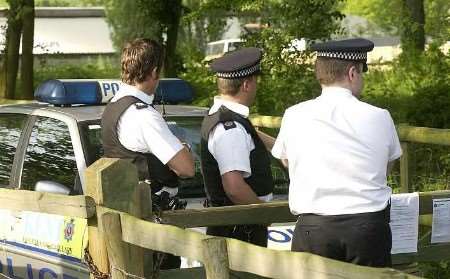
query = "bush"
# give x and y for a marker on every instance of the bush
(414, 89)
(72, 71)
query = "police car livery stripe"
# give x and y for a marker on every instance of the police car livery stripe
(43, 251)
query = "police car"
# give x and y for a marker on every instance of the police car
(46, 146)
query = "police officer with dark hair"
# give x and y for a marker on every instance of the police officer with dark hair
(133, 129)
(340, 151)
(234, 157)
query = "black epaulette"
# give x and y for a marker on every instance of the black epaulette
(229, 125)
(141, 105)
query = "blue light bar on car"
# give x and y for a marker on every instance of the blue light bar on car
(173, 91)
(96, 92)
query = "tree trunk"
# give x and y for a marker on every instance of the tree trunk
(26, 70)
(170, 67)
(12, 44)
(413, 29)
(3, 78)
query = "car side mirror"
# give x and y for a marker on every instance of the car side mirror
(47, 186)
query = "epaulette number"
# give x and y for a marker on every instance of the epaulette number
(229, 125)
(141, 105)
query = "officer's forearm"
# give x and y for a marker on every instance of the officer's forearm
(237, 190)
(182, 163)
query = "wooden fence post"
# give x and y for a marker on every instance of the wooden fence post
(113, 184)
(404, 169)
(216, 258)
(116, 250)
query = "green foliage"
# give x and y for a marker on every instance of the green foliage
(414, 89)
(130, 20)
(76, 71)
(385, 14)
(436, 270)
(288, 76)
(203, 82)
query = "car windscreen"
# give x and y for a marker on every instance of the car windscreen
(187, 130)
(215, 49)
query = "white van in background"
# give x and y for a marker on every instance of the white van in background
(219, 48)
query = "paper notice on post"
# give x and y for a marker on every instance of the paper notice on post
(404, 222)
(440, 230)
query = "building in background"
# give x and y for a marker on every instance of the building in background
(69, 35)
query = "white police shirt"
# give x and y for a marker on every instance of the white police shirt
(144, 130)
(231, 148)
(338, 149)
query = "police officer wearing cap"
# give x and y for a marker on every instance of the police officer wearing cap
(339, 151)
(234, 156)
(133, 129)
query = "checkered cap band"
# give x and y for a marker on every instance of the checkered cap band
(343, 55)
(241, 73)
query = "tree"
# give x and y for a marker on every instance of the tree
(413, 20)
(168, 13)
(11, 59)
(412, 31)
(165, 21)
(129, 20)
(20, 21)
(159, 20)
(26, 69)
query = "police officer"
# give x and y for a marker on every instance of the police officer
(133, 129)
(339, 151)
(234, 156)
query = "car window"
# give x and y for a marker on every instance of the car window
(49, 155)
(11, 127)
(234, 46)
(188, 130)
(91, 136)
(215, 49)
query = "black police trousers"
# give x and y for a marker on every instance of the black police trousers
(363, 239)
(255, 234)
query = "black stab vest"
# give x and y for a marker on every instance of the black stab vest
(148, 165)
(260, 181)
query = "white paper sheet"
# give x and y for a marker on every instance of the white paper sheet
(440, 231)
(404, 222)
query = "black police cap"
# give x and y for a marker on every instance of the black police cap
(238, 64)
(351, 49)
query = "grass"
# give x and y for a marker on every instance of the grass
(12, 102)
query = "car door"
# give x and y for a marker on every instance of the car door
(39, 245)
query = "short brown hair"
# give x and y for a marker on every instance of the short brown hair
(330, 70)
(229, 86)
(139, 58)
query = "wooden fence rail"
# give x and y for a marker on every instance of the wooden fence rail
(75, 206)
(267, 213)
(240, 256)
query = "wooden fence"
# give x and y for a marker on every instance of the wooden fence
(221, 257)
(117, 207)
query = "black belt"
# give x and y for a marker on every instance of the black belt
(382, 215)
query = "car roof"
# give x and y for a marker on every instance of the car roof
(89, 113)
